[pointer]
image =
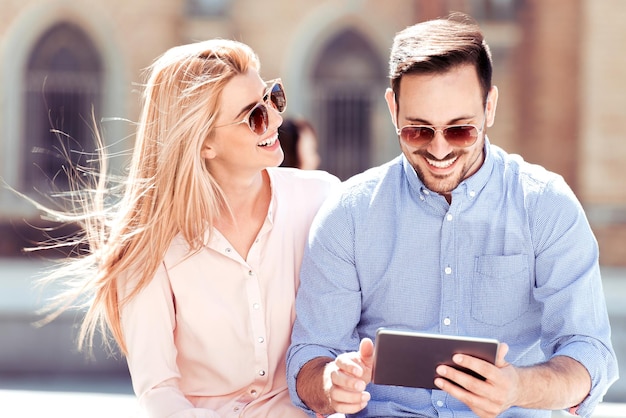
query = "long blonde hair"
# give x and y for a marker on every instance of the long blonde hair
(169, 189)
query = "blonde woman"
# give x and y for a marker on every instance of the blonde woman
(194, 272)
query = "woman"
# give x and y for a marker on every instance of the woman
(299, 143)
(196, 269)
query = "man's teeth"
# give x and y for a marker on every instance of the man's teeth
(442, 164)
(268, 142)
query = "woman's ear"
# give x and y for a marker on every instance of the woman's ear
(207, 152)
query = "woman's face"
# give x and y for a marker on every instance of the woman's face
(234, 149)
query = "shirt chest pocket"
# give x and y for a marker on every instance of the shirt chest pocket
(501, 288)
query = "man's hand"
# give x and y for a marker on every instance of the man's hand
(345, 379)
(328, 386)
(486, 398)
(559, 383)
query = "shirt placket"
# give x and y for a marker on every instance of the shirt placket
(256, 309)
(448, 280)
(448, 274)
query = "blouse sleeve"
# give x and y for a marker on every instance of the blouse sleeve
(148, 323)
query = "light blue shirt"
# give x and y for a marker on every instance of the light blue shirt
(512, 258)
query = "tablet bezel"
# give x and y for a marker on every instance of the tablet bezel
(409, 358)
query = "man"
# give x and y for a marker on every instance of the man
(456, 237)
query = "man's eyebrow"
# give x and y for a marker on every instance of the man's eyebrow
(455, 121)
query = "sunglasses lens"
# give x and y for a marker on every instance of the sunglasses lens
(417, 135)
(457, 136)
(258, 120)
(277, 97)
(462, 135)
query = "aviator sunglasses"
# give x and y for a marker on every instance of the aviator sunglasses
(461, 136)
(257, 118)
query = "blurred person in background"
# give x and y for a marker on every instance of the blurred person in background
(298, 140)
(454, 236)
(194, 269)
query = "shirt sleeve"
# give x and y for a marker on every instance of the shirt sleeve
(575, 320)
(328, 283)
(148, 323)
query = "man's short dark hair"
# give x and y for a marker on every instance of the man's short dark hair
(436, 46)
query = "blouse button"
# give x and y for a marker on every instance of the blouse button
(261, 339)
(261, 372)
(253, 392)
(228, 250)
(256, 306)
(250, 273)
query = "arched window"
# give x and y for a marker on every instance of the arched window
(494, 10)
(346, 80)
(63, 84)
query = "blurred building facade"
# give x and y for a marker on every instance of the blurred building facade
(557, 66)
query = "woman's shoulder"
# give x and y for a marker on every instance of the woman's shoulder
(305, 188)
(295, 176)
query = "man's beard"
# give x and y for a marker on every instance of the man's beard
(436, 183)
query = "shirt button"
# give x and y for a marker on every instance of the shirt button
(228, 250)
(236, 409)
(439, 404)
(446, 321)
(256, 306)
(261, 372)
(449, 217)
(256, 241)
(250, 273)
(261, 339)
(448, 270)
(472, 193)
(253, 392)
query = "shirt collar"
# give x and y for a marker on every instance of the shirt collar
(210, 238)
(476, 182)
(272, 208)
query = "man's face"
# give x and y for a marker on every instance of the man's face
(439, 100)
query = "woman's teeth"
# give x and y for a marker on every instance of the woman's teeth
(268, 142)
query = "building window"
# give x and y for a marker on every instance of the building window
(494, 10)
(206, 8)
(347, 79)
(63, 84)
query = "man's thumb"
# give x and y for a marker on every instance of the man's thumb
(366, 349)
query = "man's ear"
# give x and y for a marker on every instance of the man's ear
(492, 103)
(390, 98)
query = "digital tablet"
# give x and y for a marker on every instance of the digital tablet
(407, 358)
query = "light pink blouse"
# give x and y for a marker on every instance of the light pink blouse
(207, 337)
